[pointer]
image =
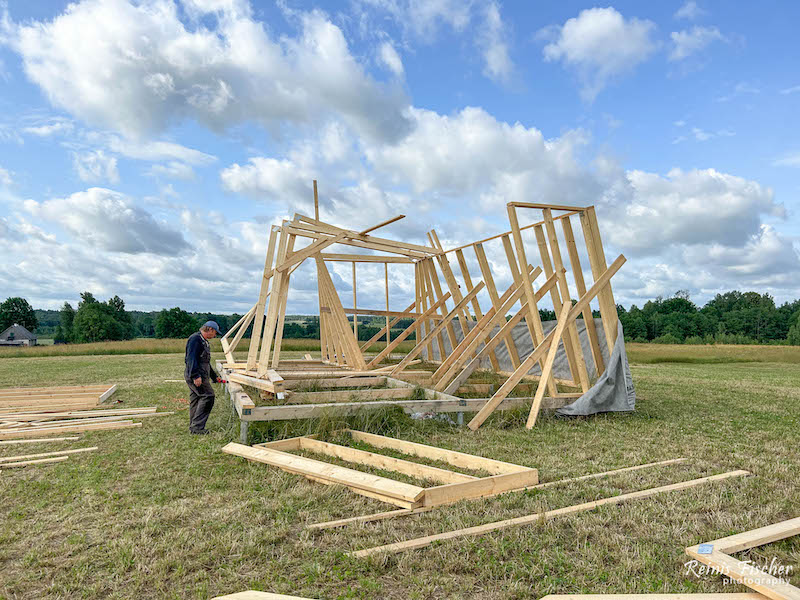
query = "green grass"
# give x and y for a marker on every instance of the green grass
(156, 513)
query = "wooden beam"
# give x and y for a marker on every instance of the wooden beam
(580, 286)
(258, 317)
(529, 519)
(381, 224)
(6, 459)
(329, 472)
(366, 258)
(547, 369)
(299, 256)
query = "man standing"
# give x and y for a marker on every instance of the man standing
(198, 376)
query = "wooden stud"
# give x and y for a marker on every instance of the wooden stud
(258, 318)
(529, 519)
(486, 273)
(580, 286)
(355, 303)
(572, 339)
(563, 323)
(533, 320)
(597, 260)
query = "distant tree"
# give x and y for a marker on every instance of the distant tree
(175, 323)
(95, 322)
(86, 298)
(58, 336)
(17, 311)
(67, 319)
(793, 338)
(125, 330)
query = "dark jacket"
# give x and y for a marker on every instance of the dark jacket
(198, 358)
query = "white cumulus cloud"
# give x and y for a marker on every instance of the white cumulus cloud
(600, 44)
(690, 41)
(110, 221)
(143, 69)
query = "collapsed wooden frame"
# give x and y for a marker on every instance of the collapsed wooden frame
(454, 486)
(456, 339)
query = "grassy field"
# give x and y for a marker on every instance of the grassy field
(156, 513)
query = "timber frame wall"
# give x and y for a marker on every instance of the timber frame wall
(443, 304)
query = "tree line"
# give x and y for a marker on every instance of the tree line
(731, 318)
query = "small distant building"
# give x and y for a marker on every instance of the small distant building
(17, 335)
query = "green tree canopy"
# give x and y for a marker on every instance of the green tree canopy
(100, 321)
(17, 311)
(175, 323)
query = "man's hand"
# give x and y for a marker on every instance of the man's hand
(198, 381)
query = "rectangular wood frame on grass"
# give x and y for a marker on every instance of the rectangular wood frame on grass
(454, 486)
(717, 555)
(451, 328)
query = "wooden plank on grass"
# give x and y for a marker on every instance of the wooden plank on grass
(718, 596)
(529, 519)
(43, 432)
(42, 441)
(480, 488)
(26, 463)
(253, 595)
(6, 459)
(758, 537)
(334, 473)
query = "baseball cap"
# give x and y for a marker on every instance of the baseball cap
(213, 325)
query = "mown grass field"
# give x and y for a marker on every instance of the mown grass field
(156, 513)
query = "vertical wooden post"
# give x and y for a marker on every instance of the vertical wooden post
(355, 303)
(276, 354)
(274, 301)
(571, 338)
(533, 320)
(597, 260)
(475, 305)
(386, 279)
(258, 318)
(486, 273)
(316, 202)
(580, 285)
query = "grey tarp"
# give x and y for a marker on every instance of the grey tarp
(612, 391)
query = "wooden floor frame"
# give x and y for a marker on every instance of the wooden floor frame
(454, 486)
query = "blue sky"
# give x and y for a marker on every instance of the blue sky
(146, 147)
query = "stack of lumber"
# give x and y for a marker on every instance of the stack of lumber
(41, 412)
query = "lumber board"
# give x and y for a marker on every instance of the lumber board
(346, 395)
(107, 394)
(772, 587)
(254, 595)
(256, 382)
(26, 463)
(536, 517)
(335, 382)
(54, 389)
(388, 463)
(365, 258)
(715, 596)
(480, 488)
(414, 511)
(452, 457)
(5, 459)
(758, 537)
(36, 432)
(42, 441)
(558, 336)
(322, 470)
(311, 411)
